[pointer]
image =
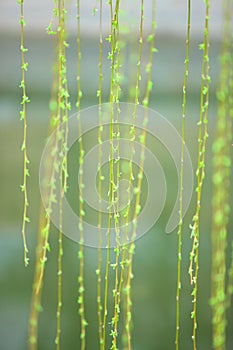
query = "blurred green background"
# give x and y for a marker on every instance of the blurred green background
(154, 283)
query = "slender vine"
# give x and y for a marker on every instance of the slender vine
(180, 227)
(81, 200)
(220, 291)
(126, 337)
(137, 189)
(59, 106)
(121, 260)
(100, 178)
(63, 108)
(116, 189)
(200, 172)
(23, 117)
(229, 291)
(112, 192)
(44, 225)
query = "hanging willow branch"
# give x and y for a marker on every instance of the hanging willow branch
(63, 108)
(200, 172)
(81, 200)
(44, 224)
(100, 180)
(180, 227)
(126, 338)
(122, 265)
(116, 145)
(137, 190)
(23, 116)
(112, 215)
(220, 291)
(59, 106)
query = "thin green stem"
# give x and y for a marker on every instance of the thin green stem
(63, 107)
(137, 208)
(221, 290)
(200, 172)
(59, 269)
(116, 190)
(81, 290)
(229, 292)
(125, 262)
(113, 97)
(23, 116)
(100, 180)
(180, 227)
(36, 293)
(44, 224)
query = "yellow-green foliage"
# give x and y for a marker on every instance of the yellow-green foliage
(114, 307)
(180, 227)
(221, 287)
(23, 116)
(200, 172)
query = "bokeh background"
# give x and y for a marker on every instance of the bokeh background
(154, 283)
